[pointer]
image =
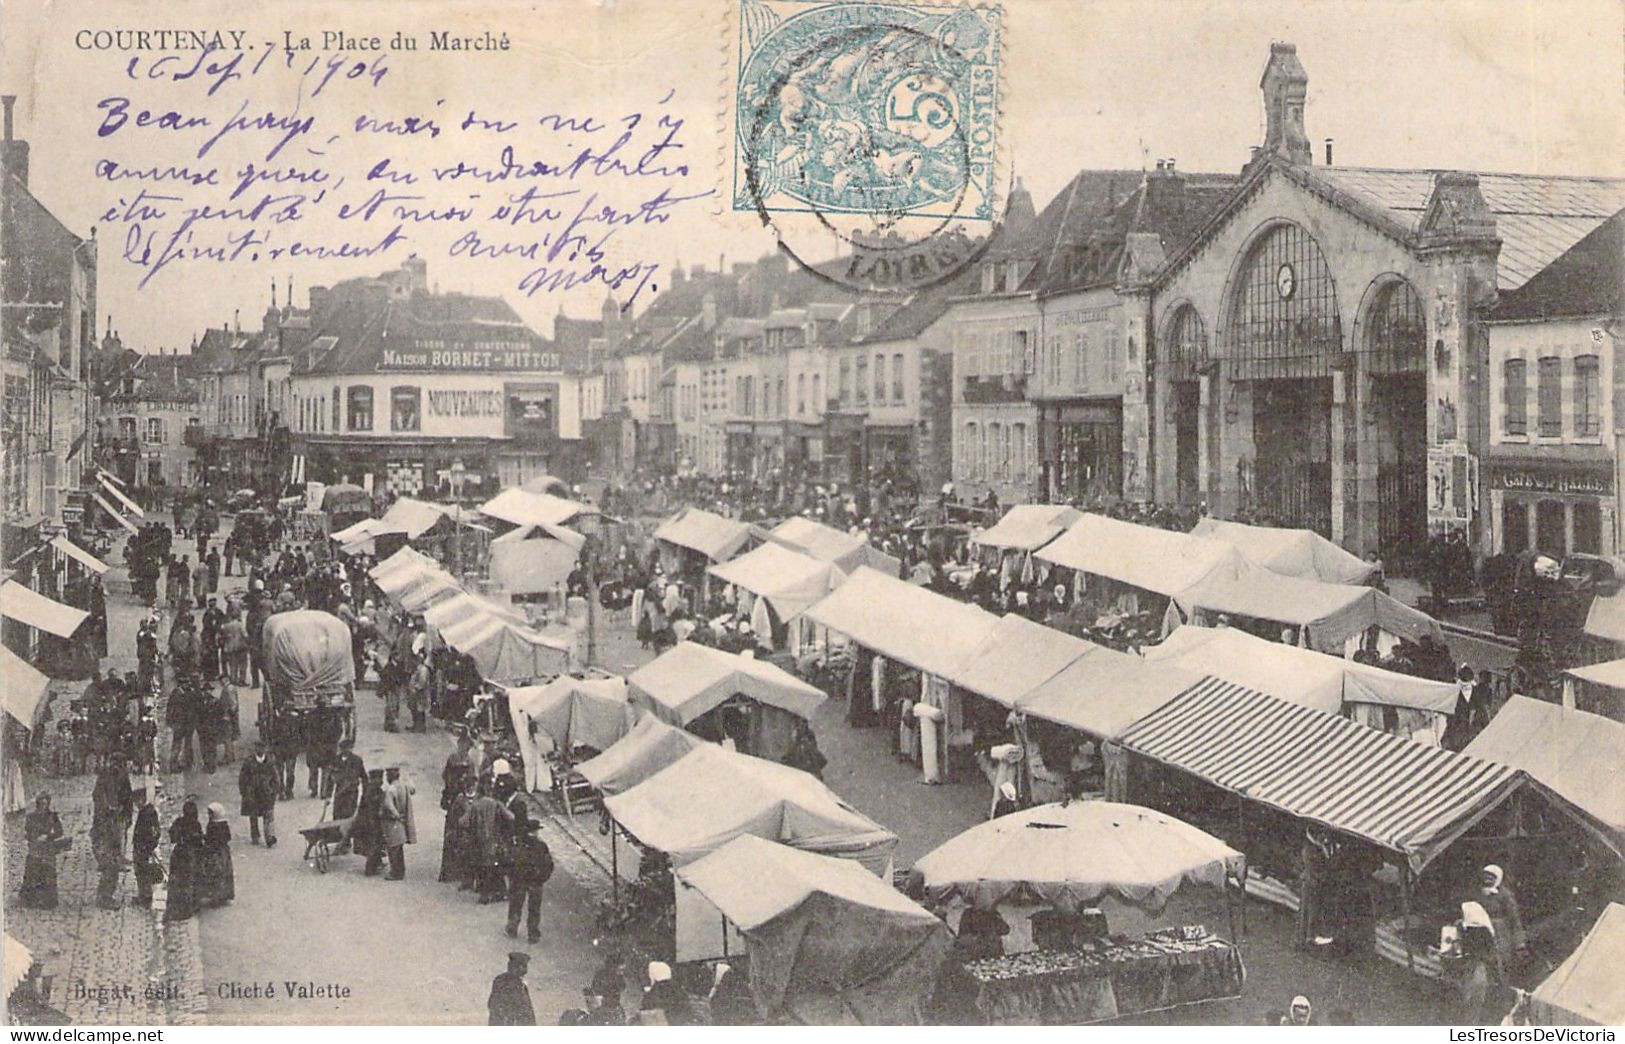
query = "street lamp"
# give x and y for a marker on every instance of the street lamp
(457, 474)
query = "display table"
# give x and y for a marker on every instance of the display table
(1118, 979)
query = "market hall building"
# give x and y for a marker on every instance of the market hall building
(1318, 350)
(400, 390)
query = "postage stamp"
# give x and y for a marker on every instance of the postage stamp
(874, 122)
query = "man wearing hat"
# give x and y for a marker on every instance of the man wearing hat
(348, 773)
(258, 784)
(398, 826)
(532, 866)
(509, 1004)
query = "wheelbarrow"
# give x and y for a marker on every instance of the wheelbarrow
(323, 838)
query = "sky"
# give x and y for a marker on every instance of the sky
(1479, 85)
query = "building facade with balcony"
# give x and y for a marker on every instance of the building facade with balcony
(1554, 362)
(151, 426)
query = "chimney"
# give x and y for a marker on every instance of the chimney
(318, 301)
(1328, 152)
(708, 312)
(13, 153)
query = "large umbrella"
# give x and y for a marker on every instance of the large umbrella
(1071, 856)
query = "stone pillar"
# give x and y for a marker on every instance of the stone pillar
(1208, 443)
(1140, 468)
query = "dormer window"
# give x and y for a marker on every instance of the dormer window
(990, 273)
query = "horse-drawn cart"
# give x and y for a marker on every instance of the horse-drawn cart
(309, 682)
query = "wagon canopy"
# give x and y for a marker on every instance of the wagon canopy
(308, 651)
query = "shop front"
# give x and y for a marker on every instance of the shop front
(1555, 506)
(1082, 449)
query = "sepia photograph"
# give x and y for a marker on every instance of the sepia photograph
(864, 513)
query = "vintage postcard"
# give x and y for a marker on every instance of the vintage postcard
(832, 512)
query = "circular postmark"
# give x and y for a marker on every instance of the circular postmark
(871, 128)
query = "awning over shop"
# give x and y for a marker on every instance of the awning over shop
(649, 747)
(521, 508)
(1584, 990)
(1291, 552)
(789, 580)
(1157, 560)
(79, 554)
(1610, 673)
(713, 536)
(828, 544)
(24, 688)
(828, 940)
(1332, 613)
(113, 513)
(1399, 795)
(928, 631)
(1105, 692)
(1016, 657)
(1027, 527)
(119, 495)
(690, 679)
(1578, 755)
(34, 609)
(711, 796)
(1606, 617)
(1301, 676)
(1074, 855)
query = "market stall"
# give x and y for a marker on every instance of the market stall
(504, 651)
(1070, 868)
(1333, 618)
(1313, 679)
(1598, 688)
(1576, 754)
(522, 507)
(845, 550)
(717, 695)
(649, 747)
(711, 796)
(370, 536)
(535, 558)
(1301, 553)
(1584, 989)
(565, 718)
(1009, 543)
(828, 943)
(788, 581)
(692, 540)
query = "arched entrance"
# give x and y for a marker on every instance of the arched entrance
(1180, 374)
(1394, 363)
(1282, 339)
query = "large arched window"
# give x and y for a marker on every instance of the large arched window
(1186, 347)
(1284, 320)
(1396, 334)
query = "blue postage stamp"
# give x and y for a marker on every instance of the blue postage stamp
(867, 108)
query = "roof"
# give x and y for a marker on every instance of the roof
(1333, 613)
(1537, 216)
(1157, 560)
(1399, 795)
(789, 580)
(649, 747)
(362, 327)
(689, 679)
(711, 796)
(928, 631)
(713, 536)
(1302, 676)
(1290, 552)
(1578, 755)
(1027, 527)
(1016, 656)
(1074, 855)
(523, 508)
(828, 544)
(1106, 692)
(1585, 987)
(1587, 279)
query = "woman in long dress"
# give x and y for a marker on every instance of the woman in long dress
(217, 884)
(185, 863)
(43, 829)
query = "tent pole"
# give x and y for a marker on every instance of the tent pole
(1405, 912)
(614, 865)
(1230, 912)
(1243, 898)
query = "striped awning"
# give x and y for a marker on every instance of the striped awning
(1396, 793)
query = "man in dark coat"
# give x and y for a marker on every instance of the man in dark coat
(349, 773)
(509, 1004)
(258, 784)
(532, 866)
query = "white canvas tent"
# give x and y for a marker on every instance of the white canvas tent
(928, 631)
(789, 580)
(1584, 990)
(709, 535)
(1157, 560)
(1027, 527)
(1016, 657)
(1302, 676)
(1331, 614)
(569, 712)
(1301, 553)
(828, 544)
(535, 558)
(1577, 755)
(520, 508)
(504, 651)
(690, 679)
(649, 747)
